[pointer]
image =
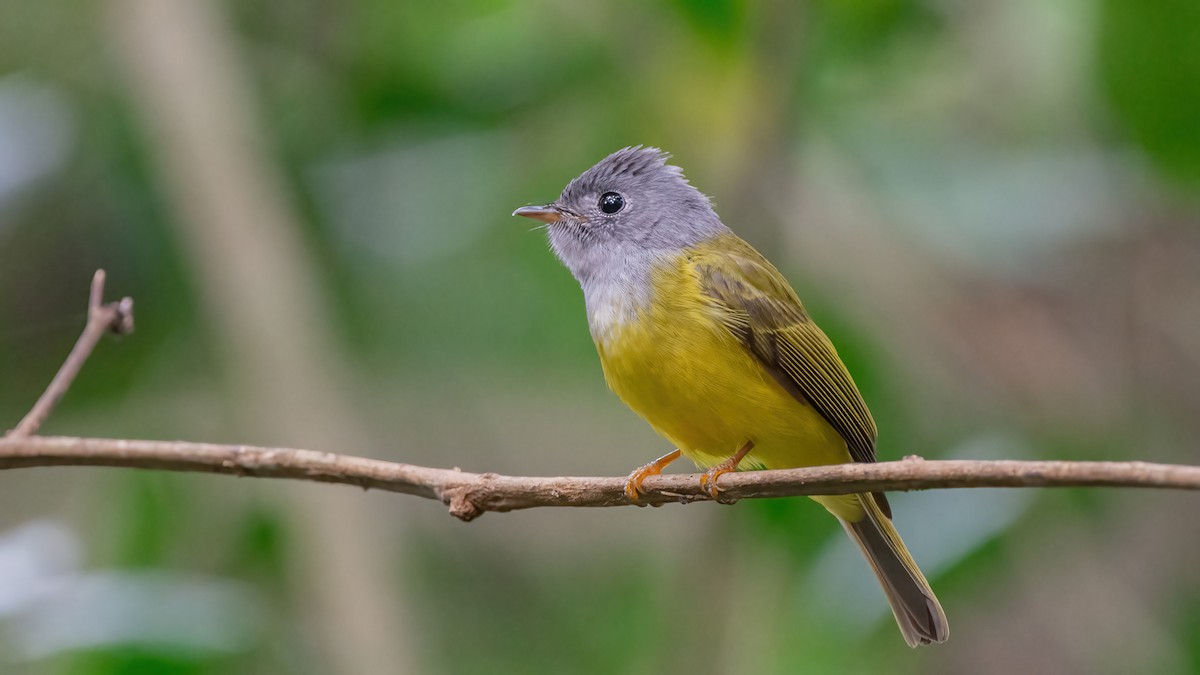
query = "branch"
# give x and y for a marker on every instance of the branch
(114, 317)
(469, 495)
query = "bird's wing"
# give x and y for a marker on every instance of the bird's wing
(759, 307)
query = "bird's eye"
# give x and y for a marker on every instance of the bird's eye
(611, 202)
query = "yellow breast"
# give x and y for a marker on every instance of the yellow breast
(675, 364)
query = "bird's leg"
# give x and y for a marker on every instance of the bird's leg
(708, 482)
(633, 484)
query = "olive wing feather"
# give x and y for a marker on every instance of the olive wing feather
(761, 309)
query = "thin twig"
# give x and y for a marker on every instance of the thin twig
(114, 317)
(469, 495)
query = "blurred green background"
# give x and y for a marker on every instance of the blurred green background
(991, 207)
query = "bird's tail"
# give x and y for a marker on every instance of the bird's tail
(917, 610)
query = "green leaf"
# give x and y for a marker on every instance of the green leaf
(1149, 64)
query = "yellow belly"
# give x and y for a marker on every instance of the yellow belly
(677, 366)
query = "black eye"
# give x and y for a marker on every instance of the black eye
(611, 202)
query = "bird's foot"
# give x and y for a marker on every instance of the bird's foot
(633, 484)
(708, 481)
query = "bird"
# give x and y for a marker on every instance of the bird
(701, 336)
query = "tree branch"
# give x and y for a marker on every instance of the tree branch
(114, 317)
(469, 495)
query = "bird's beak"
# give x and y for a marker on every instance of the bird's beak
(547, 214)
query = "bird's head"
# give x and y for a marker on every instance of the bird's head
(630, 203)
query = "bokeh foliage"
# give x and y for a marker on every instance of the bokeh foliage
(990, 208)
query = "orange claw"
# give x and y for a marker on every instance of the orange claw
(708, 481)
(633, 484)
